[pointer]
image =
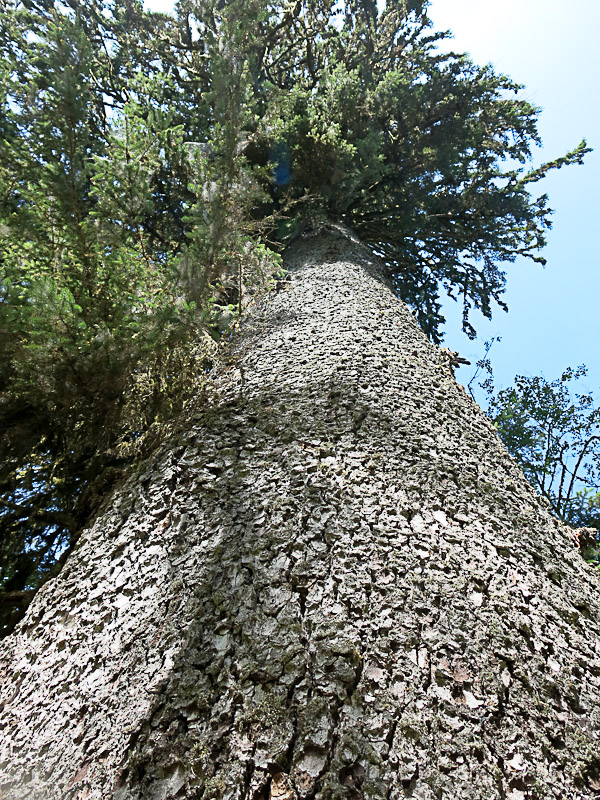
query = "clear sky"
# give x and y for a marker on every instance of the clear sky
(551, 46)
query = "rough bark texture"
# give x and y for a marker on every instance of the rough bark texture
(334, 584)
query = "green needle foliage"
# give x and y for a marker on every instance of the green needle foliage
(151, 170)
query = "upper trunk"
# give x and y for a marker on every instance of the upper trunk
(334, 583)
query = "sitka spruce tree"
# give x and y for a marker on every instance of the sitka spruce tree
(152, 168)
(290, 558)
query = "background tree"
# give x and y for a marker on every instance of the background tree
(152, 169)
(554, 435)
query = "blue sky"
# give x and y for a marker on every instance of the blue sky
(550, 46)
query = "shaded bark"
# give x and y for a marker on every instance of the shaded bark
(334, 583)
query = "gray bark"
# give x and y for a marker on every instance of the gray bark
(333, 583)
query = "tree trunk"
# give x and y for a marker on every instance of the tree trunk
(333, 583)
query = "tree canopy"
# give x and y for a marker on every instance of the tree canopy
(153, 168)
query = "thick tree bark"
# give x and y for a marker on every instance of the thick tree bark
(334, 583)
